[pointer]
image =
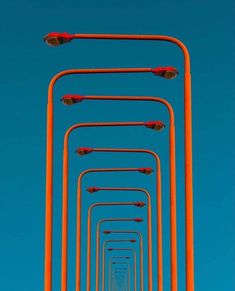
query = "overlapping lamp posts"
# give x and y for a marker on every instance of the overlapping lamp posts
(149, 229)
(133, 251)
(100, 222)
(79, 217)
(49, 161)
(156, 124)
(55, 39)
(84, 151)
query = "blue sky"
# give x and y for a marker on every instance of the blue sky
(28, 64)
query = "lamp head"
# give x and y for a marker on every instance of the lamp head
(84, 151)
(140, 204)
(92, 189)
(132, 240)
(155, 125)
(56, 39)
(146, 171)
(166, 72)
(70, 99)
(110, 249)
(138, 219)
(107, 232)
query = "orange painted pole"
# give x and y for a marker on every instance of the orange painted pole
(65, 187)
(98, 241)
(158, 197)
(149, 225)
(138, 233)
(49, 173)
(138, 204)
(79, 217)
(134, 256)
(60, 38)
(172, 170)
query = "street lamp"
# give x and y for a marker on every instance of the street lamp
(134, 256)
(79, 217)
(138, 233)
(149, 224)
(172, 169)
(65, 181)
(138, 220)
(187, 138)
(84, 151)
(49, 163)
(128, 270)
(103, 257)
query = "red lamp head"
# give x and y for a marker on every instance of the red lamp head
(155, 125)
(132, 240)
(140, 204)
(166, 72)
(110, 249)
(84, 151)
(92, 189)
(107, 232)
(146, 171)
(56, 39)
(70, 99)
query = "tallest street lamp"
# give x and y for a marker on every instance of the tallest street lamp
(55, 39)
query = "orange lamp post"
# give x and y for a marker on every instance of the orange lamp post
(123, 272)
(79, 218)
(134, 256)
(83, 151)
(103, 256)
(73, 99)
(138, 220)
(128, 270)
(55, 39)
(149, 225)
(138, 233)
(89, 245)
(137, 204)
(158, 125)
(49, 166)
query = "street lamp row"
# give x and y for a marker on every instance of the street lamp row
(55, 39)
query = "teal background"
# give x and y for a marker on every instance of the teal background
(27, 65)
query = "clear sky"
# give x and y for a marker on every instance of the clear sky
(27, 65)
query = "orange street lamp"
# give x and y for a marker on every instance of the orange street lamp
(134, 256)
(157, 124)
(72, 99)
(56, 38)
(128, 270)
(103, 256)
(83, 151)
(140, 204)
(78, 261)
(49, 167)
(121, 270)
(150, 253)
(141, 250)
(98, 241)
(146, 171)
